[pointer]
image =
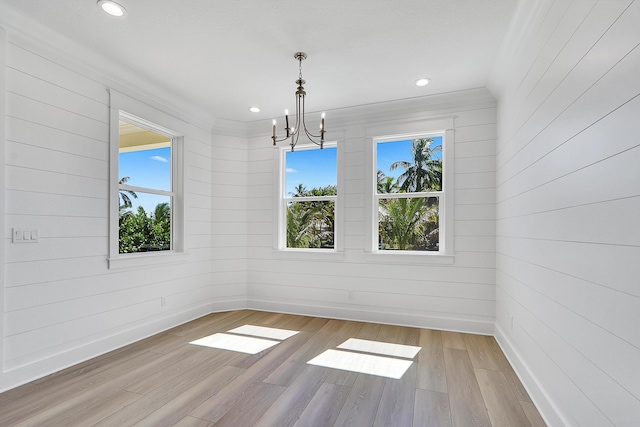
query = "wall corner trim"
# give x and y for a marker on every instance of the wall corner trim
(3, 144)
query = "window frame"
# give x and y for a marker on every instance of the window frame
(130, 119)
(147, 117)
(445, 254)
(280, 240)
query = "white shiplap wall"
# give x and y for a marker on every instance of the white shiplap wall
(456, 297)
(229, 213)
(568, 208)
(62, 303)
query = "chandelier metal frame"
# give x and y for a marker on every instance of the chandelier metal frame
(294, 132)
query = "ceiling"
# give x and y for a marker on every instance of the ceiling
(225, 56)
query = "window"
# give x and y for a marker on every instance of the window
(146, 202)
(308, 198)
(409, 194)
(145, 188)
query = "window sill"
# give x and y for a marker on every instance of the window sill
(309, 254)
(145, 259)
(411, 257)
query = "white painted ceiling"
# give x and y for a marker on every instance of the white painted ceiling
(224, 56)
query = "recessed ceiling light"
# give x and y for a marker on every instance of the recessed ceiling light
(254, 109)
(112, 8)
(422, 82)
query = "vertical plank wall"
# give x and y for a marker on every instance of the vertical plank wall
(568, 208)
(62, 302)
(458, 296)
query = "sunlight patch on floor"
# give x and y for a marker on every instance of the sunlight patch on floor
(239, 343)
(261, 339)
(357, 358)
(362, 363)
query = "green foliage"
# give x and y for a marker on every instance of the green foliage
(311, 224)
(142, 232)
(408, 224)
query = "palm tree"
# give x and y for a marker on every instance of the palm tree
(425, 173)
(401, 222)
(298, 225)
(126, 195)
(408, 223)
(299, 191)
(162, 211)
(386, 183)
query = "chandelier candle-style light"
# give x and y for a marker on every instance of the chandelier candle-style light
(293, 133)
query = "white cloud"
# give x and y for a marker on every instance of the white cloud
(291, 170)
(160, 159)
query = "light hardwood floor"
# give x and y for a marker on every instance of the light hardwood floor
(457, 380)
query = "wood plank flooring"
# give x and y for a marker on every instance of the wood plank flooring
(456, 380)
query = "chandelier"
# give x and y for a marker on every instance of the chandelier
(293, 133)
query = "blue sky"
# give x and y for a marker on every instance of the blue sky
(150, 169)
(317, 168)
(313, 168)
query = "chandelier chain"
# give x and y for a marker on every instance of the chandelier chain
(300, 68)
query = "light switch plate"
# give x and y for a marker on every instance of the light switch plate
(19, 235)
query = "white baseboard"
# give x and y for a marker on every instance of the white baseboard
(378, 316)
(548, 409)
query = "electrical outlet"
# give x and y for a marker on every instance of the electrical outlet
(163, 301)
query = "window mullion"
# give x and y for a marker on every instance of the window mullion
(409, 195)
(146, 190)
(310, 199)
